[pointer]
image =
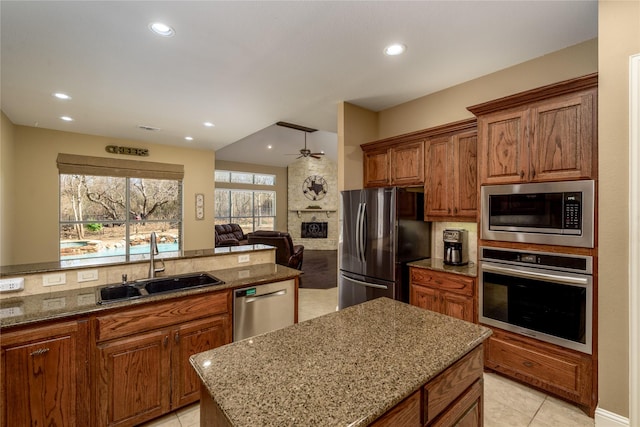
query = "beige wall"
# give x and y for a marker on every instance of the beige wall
(355, 126)
(6, 189)
(280, 187)
(619, 38)
(34, 181)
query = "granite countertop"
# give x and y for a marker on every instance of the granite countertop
(30, 309)
(343, 369)
(437, 264)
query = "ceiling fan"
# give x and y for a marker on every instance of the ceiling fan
(304, 152)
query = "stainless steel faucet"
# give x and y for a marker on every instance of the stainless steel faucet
(153, 251)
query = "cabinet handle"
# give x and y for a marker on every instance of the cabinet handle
(448, 210)
(455, 210)
(528, 364)
(521, 174)
(166, 340)
(533, 172)
(176, 337)
(40, 351)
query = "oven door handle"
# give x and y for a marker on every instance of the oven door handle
(492, 268)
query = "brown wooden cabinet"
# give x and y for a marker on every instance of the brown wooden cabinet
(393, 162)
(44, 375)
(407, 164)
(451, 177)
(446, 293)
(565, 373)
(142, 356)
(546, 134)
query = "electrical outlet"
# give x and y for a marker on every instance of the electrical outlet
(12, 285)
(87, 275)
(243, 274)
(54, 279)
(244, 258)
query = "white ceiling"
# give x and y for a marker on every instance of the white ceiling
(246, 65)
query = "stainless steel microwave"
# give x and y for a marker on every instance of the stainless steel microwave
(552, 213)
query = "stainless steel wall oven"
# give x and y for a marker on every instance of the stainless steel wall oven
(547, 296)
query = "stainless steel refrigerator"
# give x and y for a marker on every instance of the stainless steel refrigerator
(381, 230)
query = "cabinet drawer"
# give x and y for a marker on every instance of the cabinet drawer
(561, 372)
(161, 314)
(448, 386)
(443, 281)
(404, 414)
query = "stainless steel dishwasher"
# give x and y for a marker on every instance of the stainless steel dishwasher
(263, 308)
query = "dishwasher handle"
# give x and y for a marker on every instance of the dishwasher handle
(263, 296)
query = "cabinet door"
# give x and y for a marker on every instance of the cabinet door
(424, 297)
(134, 378)
(466, 411)
(189, 339)
(457, 306)
(562, 138)
(503, 155)
(376, 168)
(40, 376)
(465, 167)
(439, 185)
(407, 164)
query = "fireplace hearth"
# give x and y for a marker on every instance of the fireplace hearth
(314, 230)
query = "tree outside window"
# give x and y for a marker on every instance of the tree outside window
(105, 216)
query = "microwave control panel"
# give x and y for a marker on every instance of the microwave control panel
(572, 211)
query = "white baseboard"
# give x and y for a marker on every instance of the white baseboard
(604, 418)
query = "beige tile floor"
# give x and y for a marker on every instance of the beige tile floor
(506, 403)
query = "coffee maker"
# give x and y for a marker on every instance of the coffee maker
(455, 247)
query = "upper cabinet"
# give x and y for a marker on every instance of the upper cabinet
(395, 161)
(546, 134)
(451, 174)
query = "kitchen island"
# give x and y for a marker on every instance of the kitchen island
(382, 362)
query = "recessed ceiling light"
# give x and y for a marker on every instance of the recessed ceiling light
(188, 138)
(66, 118)
(61, 95)
(395, 49)
(209, 124)
(162, 29)
(269, 147)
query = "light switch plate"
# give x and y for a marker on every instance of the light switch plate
(87, 275)
(244, 258)
(54, 303)
(54, 279)
(11, 311)
(87, 299)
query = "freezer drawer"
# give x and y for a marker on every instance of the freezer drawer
(353, 289)
(263, 308)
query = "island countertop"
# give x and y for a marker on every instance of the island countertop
(343, 369)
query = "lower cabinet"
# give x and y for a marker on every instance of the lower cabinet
(144, 372)
(44, 375)
(446, 293)
(453, 398)
(565, 373)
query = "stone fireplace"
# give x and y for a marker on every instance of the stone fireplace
(313, 203)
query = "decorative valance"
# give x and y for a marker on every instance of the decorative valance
(103, 166)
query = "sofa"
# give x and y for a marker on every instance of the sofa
(229, 235)
(287, 253)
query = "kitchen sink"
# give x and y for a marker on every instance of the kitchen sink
(159, 285)
(114, 293)
(176, 283)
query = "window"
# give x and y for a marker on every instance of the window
(245, 178)
(113, 216)
(252, 210)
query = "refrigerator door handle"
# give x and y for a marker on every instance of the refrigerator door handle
(363, 233)
(360, 282)
(357, 233)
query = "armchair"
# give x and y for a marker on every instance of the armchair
(287, 253)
